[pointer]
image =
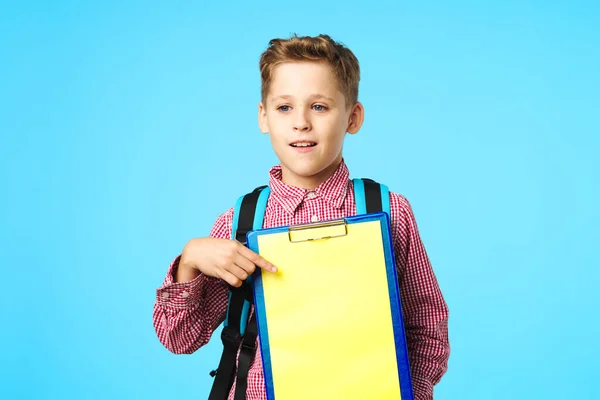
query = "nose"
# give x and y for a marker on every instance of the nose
(301, 122)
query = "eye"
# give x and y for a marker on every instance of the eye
(284, 108)
(319, 108)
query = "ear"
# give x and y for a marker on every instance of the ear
(356, 118)
(262, 118)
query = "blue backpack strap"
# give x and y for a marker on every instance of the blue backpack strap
(371, 197)
(261, 207)
(248, 208)
(248, 214)
(359, 196)
(249, 328)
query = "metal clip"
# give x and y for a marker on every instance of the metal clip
(318, 231)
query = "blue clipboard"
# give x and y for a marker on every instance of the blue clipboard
(330, 320)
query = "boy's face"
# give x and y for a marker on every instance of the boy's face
(306, 116)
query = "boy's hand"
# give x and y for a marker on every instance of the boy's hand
(220, 258)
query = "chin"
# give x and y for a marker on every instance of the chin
(308, 167)
(305, 171)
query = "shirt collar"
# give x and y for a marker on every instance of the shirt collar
(333, 190)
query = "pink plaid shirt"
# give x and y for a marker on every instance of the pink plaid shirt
(187, 313)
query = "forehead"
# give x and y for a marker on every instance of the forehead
(303, 78)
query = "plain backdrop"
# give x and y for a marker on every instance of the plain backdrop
(128, 127)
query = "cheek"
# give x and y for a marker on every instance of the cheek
(276, 125)
(337, 133)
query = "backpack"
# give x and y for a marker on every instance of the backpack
(238, 330)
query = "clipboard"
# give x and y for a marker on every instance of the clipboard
(330, 320)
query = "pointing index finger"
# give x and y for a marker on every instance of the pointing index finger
(256, 259)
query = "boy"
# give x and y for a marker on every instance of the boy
(309, 102)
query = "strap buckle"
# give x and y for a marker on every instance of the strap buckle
(230, 338)
(249, 344)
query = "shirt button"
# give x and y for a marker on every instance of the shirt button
(314, 218)
(185, 295)
(165, 295)
(311, 195)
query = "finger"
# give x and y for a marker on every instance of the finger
(237, 271)
(256, 259)
(245, 264)
(230, 278)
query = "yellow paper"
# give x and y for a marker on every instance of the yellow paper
(328, 317)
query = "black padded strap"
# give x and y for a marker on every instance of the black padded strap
(247, 212)
(245, 225)
(231, 333)
(230, 336)
(246, 356)
(372, 196)
(246, 291)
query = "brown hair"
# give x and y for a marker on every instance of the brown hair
(306, 48)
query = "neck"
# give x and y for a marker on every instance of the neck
(310, 182)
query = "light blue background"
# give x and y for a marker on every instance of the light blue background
(127, 128)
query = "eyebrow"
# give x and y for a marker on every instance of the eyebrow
(315, 96)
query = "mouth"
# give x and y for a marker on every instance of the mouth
(303, 144)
